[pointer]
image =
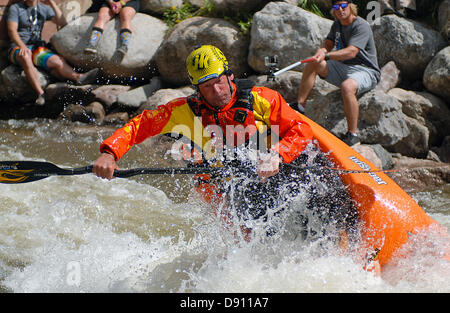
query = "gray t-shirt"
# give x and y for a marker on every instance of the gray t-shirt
(358, 34)
(30, 21)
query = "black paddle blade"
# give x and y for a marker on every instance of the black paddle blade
(17, 172)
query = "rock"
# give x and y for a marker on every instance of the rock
(159, 6)
(163, 96)
(134, 98)
(116, 118)
(437, 74)
(287, 31)
(430, 111)
(96, 111)
(385, 157)
(381, 120)
(148, 34)
(74, 113)
(64, 94)
(16, 85)
(108, 94)
(419, 175)
(368, 153)
(93, 113)
(444, 150)
(416, 143)
(390, 77)
(444, 18)
(406, 42)
(188, 34)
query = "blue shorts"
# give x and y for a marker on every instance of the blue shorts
(338, 72)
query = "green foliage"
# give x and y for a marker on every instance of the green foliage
(243, 21)
(173, 16)
(310, 5)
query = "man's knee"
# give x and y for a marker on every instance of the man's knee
(349, 87)
(55, 61)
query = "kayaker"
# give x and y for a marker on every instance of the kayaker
(352, 66)
(224, 114)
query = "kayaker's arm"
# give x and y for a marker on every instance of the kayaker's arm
(141, 127)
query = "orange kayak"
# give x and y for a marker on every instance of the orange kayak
(388, 214)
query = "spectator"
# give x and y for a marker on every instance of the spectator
(107, 9)
(353, 66)
(25, 22)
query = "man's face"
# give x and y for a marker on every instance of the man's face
(342, 13)
(216, 91)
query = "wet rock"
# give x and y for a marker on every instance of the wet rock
(96, 111)
(108, 94)
(75, 113)
(117, 118)
(418, 174)
(134, 98)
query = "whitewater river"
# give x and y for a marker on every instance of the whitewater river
(153, 234)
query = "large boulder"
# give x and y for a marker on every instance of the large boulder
(192, 32)
(148, 34)
(287, 31)
(437, 74)
(406, 42)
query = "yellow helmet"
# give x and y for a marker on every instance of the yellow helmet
(205, 63)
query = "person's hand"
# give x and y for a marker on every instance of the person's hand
(24, 51)
(115, 6)
(268, 165)
(104, 166)
(320, 55)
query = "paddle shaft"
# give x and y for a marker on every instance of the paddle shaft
(15, 172)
